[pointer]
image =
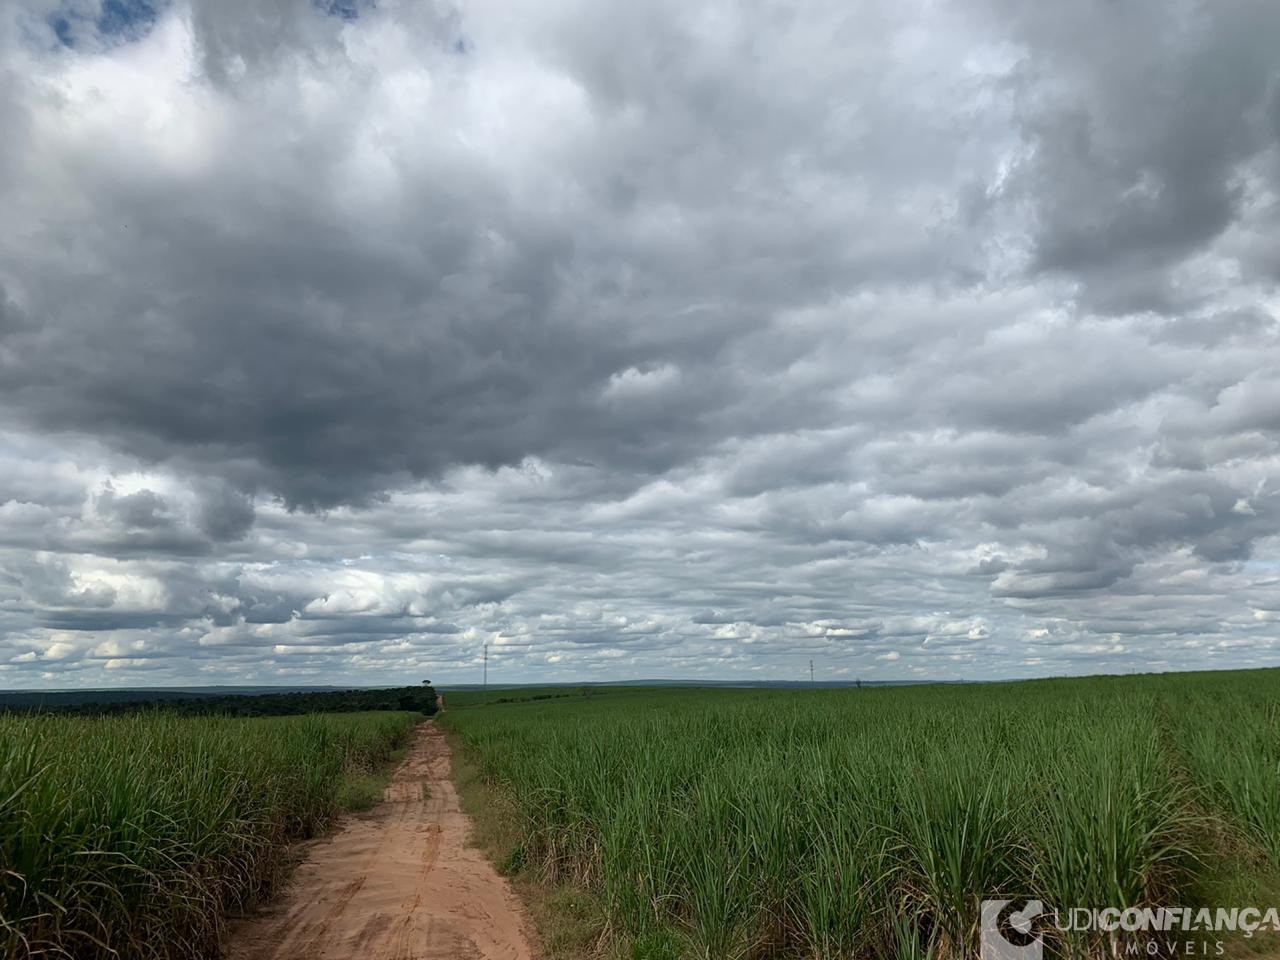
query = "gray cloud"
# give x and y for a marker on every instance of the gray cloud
(224, 513)
(672, 340)
(1141, 125)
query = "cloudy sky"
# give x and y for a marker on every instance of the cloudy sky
(682, 338)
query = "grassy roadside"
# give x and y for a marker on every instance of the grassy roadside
(570, 922)
(362, 785)
(134, 837)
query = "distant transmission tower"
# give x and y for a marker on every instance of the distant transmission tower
(811, 672)
(486, 667)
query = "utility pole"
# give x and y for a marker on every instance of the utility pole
(810, 673)
(486, 667)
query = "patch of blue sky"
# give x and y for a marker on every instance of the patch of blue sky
(128, 18)
(344, 9)
(113, 21)
(62, 29)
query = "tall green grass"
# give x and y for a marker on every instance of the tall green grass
(131, 837)
(872, 823)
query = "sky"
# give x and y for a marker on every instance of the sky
(682, 339)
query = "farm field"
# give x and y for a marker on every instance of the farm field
(871, 823)
(132, 836)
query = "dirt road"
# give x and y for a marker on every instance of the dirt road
(398, 884)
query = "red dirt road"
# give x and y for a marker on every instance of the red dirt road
(398, 884)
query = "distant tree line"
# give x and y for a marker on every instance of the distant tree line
(419, 699)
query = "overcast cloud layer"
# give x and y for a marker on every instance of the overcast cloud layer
(680, 339)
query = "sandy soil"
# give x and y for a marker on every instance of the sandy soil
(397, 884)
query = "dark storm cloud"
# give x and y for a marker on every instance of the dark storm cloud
(249, 323)
(224, 513)
(144, 509)
(95, 621)
(1141, 122)
(337, 340)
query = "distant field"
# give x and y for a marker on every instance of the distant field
(870, 823)
(458, 699)
(131, 836)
